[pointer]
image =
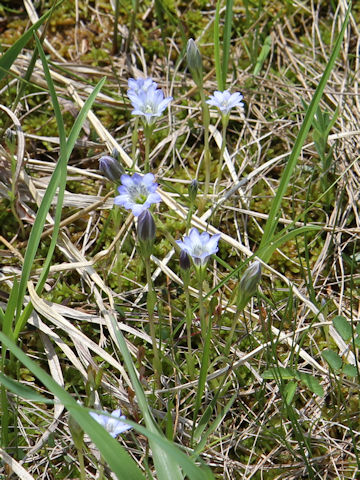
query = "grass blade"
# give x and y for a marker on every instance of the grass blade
(272, 221)
(39, 223)
(226, 41)
(115, 455)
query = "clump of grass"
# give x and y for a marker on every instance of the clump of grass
(220, 374)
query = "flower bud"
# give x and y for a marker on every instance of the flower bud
(248, 283)
(194, 62)
(146, 227)
(192, 190)
(110, 168)
(184, 260)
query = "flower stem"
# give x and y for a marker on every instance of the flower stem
(225, 120)
(203, 321)
(151, 300)
(189, 356)
(134, 140)
(81, 463)
(207, 159)
(147, 132)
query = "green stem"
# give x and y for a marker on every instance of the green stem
(82, 464)
(232, 331)
(134, 139)
(207, 159)
(225, 120)
(147, 131)
(203, 321)
(151, 300)
(115, 33)
(101, 469)
(132, 25)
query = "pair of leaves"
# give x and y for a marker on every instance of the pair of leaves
(287, 373)
(344, 329)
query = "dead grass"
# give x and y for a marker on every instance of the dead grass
(256, 439)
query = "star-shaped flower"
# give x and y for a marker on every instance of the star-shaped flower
(225, 101)
(148, 103)
(137, 193)
(114, 426)
(199, 246)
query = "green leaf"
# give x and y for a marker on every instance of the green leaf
(350, 371)
(284, 373)
(23, 391)
(9, 57)
(312, 383)
(113, 453)
(289, 392)
(272, 220)
(332, 358)
(343, 327)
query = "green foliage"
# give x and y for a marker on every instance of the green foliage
(288, 373)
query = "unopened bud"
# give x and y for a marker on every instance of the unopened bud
(184, 260)
(110, 168)
(192, 190)
(249, 282)
(146, 227)
(194, 62)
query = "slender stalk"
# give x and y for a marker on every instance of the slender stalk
(101, 469)
(81, 463)
(232, 331)
(225, 121)
(132, 25)
(203, 321)
(151, 300)
(207, 158)
(147, 131)
(134, 139)
(115, 33)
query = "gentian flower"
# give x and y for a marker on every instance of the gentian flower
(199, 246)
(225, 101)
(114, 426)
(149, 103)
(140, 84)
(137, 193)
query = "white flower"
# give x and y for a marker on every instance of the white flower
(137, 193)
(114, 426)
(225, 101)
(199, 246)
(149, 103)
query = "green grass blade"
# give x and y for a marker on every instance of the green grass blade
(114, 454)
(165, 465)
(8, 58)
(192, 471)
(54, 99)
(305, 127)
(226, 41)
(217, 46)
(39, 223)
(265, 50)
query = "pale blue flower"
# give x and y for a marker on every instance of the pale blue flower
(199, 246)
(137, 193)
(140, 84)
(225, 101)
(149, 103)
(114, 426)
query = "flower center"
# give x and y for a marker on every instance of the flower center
(149, 108)
(138, 194)
(197, 250)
